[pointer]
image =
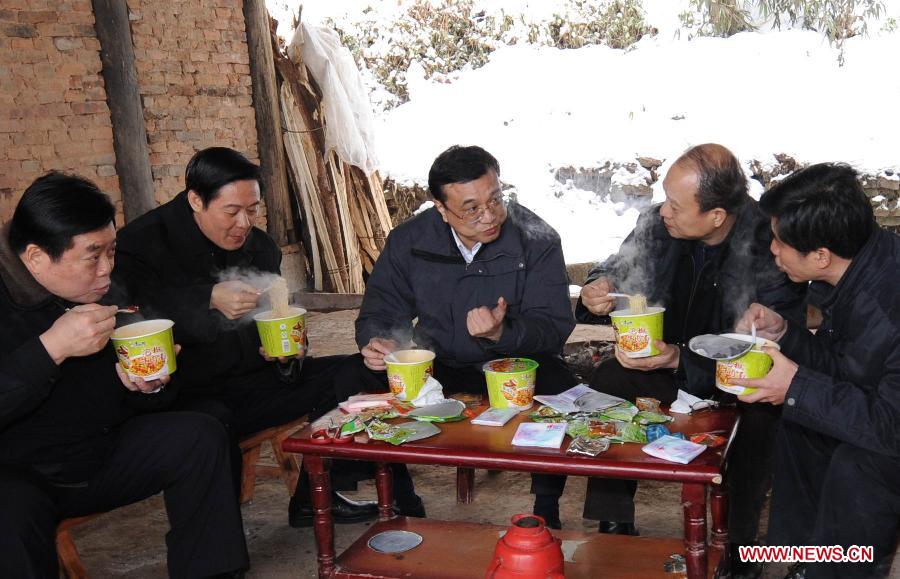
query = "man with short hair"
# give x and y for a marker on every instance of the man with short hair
(75, 438)
(702, 254)
(192, 260)
(837, 462)
(485, 279)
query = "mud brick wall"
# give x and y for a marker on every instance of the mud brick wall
(194, 79)
(193, 75)
(53, 112)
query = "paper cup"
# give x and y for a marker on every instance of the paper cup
(635, 332)
(510, 382)
(408, 370)
(281, 337)
(146, 349)
(753, 364)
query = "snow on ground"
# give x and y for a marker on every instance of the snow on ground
(537, 109)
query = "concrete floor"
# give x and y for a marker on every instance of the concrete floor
(129, 542)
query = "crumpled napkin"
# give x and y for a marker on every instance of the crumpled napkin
(687, 402)
(431, 393)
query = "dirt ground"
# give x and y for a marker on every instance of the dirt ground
(130, 541)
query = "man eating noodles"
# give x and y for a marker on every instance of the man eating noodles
(75, 438)
(181, 261)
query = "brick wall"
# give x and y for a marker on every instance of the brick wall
(193, 78)
(53, 112)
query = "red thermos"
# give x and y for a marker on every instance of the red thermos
(527, 551)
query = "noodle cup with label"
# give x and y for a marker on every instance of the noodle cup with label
(282, 336)
(753, 364)
(510, 382)
(408, 370)
(146, 349)
(635, 332)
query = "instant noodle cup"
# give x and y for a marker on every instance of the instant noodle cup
(145, 349)
(753, 364)
(408, 370)
(282, 336)
(510, 382)
(635, 332)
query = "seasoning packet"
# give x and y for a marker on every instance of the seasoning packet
(581, 445)
(623, 412)
(647, 404)
(647, 417)
(708, 439)
(351, 425)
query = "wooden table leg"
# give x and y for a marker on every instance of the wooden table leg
(693, 500)
(323, 524)
(384, 485)
(465, 483)
(718, 506)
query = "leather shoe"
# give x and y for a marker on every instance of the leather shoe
(410, 508)
(343, 511)
(550, 516)
(796, 571)
(617, 528)
(742, 569)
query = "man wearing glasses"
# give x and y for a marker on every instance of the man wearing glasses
(485, 279)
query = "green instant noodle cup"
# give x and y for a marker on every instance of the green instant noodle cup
(510, 382)
(753, 364)
(408, 370)
(146, 349)
(635, 332)
(282, 337)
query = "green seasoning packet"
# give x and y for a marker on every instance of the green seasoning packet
(576, 428)
(633, 433)
(379, 430)
(352, 425)
(644, 417)
(624, 412)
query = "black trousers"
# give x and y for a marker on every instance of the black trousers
(749, 468)
(182, 454)
(259, 400)
(553, 377)
(828, 492)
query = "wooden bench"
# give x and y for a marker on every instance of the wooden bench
(287, 468)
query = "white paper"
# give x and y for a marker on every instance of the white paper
(495, 416)
(673, 449)
(431, 393)
(581, 398)
(686, 402)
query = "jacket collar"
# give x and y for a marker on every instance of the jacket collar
(24, 291)
(438, 240)
(862, 267)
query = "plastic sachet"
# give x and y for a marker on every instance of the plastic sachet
(581, 445)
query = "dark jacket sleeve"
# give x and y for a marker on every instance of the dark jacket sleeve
(187, 306)
(27, 375)
(388, 306)
(544, 318)
(864, 417)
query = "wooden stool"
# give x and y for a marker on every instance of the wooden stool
(287, 468)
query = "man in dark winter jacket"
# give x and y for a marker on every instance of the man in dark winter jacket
(75, 438)
(484, 279)
(192, 260)
(837, 466)
(703, 255)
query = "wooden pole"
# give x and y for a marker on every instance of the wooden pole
(268, 123)
(125, 109)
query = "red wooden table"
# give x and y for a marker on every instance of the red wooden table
(462, 444)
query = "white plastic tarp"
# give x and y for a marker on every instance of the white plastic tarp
(349, 126)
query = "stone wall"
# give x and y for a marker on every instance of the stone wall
(193, 75)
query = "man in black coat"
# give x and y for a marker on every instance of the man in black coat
(75, 438)
(703, 255)
(837, 467)
(199, 260)
(484, 279)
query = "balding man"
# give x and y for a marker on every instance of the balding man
(703, 255)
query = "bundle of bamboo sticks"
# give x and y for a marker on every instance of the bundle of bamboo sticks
(345, 219)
